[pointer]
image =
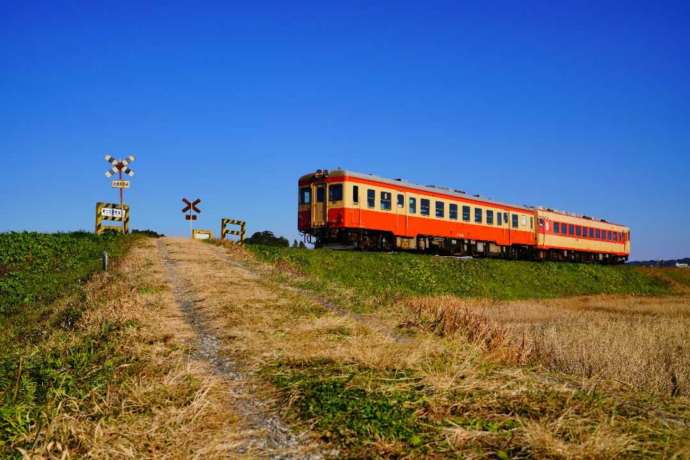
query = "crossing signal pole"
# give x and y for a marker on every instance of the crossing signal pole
(119, 167)
(189, 212)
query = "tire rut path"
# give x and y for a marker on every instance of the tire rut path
(270, 436)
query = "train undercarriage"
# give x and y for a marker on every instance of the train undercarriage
(368, 240)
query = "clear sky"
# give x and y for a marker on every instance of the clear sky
(582, 106)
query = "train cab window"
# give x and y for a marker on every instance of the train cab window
(591, 232)
(453, 211)
(413, 205)
(335, 192)
(305, 195)
(466, 213)
(515, 220)
(386, 201)
(424, 206)
(371, 198)
(556, 226)
(320, 194)
(478, 215)
(440, 209)
(498, 218)
(355, 194)
(578, 230)
(401, 201)
(489, 217)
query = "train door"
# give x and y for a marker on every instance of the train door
(400, 215)
(319, 208)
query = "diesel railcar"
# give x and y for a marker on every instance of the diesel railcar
(363, 211)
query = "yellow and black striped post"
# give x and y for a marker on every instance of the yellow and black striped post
(112, 212)
(224, 231)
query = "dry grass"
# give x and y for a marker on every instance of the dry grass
(641, 342)
(162, 404)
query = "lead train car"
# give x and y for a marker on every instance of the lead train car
(350, 209)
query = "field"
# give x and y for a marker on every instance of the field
(195, 350)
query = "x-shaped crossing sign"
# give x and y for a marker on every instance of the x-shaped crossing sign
(119, 166)
(190, 207)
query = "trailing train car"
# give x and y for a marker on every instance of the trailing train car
(349, 209)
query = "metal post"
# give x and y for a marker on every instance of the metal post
(104, 261)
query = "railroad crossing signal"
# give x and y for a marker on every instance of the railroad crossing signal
(119, 166)
(189, 211)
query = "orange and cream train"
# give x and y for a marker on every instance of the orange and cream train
(349, 209)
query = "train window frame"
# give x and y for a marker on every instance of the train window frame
(515, 221)
(466, 213)
(412, 205)
(490, 216)
(386, 200)
(355, 194)
(453, 211)
(305, 195)
(400, 200)
(335, 193)
(320, 193)
(440, 209)
(424, 204)
(478, 215)
(371, 198)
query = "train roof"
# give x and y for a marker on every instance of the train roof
(446, 191)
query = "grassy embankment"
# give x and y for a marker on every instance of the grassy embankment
(487, 358)
(86, 367)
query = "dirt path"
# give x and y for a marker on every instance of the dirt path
(191, 265)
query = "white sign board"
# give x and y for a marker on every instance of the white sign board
(113, 213)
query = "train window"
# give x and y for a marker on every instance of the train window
(305, 195)
(524, 221)
(584, 232)
(498, 218)
(578, 230)
(489, 217)
(478, 215)
(515, 221)
(505, 217)
(531, 222)
(424, 207)
(615, 236)
(610, 236)
(335, 192)
(598, 234)
(371, 198)
(386, 201)
(591, 232)
(440, 209)
(556, 226)
(413, 205)
(355, 194)
(401, 201)
(319, 194)
(453, 211)
(466, 213)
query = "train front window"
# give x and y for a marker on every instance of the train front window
(305, 195)
(320, 194)
(386, 201)
(424, 207)
(335, 192)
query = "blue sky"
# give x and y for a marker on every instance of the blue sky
(582, 106)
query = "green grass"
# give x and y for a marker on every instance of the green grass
(385, 276)
(45, 359)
